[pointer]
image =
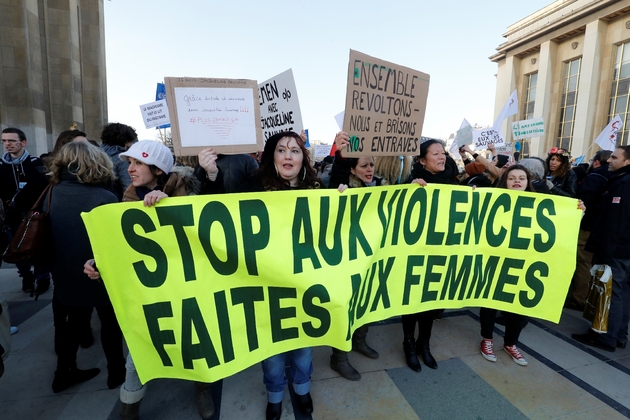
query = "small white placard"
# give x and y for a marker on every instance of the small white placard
(322, 150)
(155, 114)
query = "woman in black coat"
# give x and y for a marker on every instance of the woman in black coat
(431, 169)
(561, 180)
(81, 176)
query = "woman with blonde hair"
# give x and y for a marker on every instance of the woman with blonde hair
(81, 175)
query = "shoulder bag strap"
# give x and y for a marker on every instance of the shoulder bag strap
(39, 201)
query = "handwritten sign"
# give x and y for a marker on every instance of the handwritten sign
(218, 113)
(528, 128)
(279, 105)
(385, 105)
(322, 150)
(155, 114)
(483, 137)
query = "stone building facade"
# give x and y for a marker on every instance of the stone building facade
(52, 68)
(570, 63)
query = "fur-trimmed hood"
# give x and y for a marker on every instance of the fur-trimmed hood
(181, 182)
(355, 182)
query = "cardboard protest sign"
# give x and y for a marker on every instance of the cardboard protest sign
(524, 129)
(279, 105)
(481, 138)
(205, 286)
(385, 105)
(155, 114)
(322, 150)
(218, 113)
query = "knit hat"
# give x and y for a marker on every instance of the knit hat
(151, 153)
(475, 168)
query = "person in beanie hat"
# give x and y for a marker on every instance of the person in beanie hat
(153, 178)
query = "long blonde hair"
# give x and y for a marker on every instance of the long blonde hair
(88, 163)
(391, 169)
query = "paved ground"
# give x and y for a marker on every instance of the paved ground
(563, 380)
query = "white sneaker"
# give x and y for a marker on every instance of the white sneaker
(487, 350)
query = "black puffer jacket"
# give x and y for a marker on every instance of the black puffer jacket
(590, 191)
(610, 234)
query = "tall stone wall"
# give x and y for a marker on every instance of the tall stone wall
(52, 68)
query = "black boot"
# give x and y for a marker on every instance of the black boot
(27, 283)
(41, 285)
(130, 411)
(359, 344)
(422, 347)
(205, 404)
(340, 364)
(409, 346)
(65, 378)
(274, 411)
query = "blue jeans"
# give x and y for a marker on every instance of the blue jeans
(619, 314)
(301, 369)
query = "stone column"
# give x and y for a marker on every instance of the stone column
(586, 130)
(544, 90)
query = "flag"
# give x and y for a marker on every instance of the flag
(160, 93)
(510, 108)
(333, 150)
(464, 135)
(307, 142)
(607, 139)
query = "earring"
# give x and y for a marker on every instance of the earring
(304, 176)
(276, 168)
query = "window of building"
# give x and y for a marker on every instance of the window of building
(568, 103)
(620, 93)
(531, 80)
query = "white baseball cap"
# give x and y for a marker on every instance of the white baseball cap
(150, 152)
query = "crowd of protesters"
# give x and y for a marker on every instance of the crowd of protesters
(85, 175)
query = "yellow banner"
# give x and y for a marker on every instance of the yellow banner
(204, 287)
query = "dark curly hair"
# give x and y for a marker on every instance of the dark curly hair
(117, 134)
(565, 165)
(268, 174)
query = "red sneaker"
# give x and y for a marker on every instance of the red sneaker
(516, 355)
(487, 350)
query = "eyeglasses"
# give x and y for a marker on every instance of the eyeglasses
(561, 152)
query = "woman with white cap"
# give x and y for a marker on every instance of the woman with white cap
(153, 178)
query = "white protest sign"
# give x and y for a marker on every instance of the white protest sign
(483, 137)
(279, 105)
(322, 150)
(339, 119)
(528, 128)
(210, 112)
(504, 149)
(215, 116)
(155, 114)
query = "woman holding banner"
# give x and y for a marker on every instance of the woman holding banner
(154, 178)
(516, 177)
(285, 165)
(353, 173)
(432, 161)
